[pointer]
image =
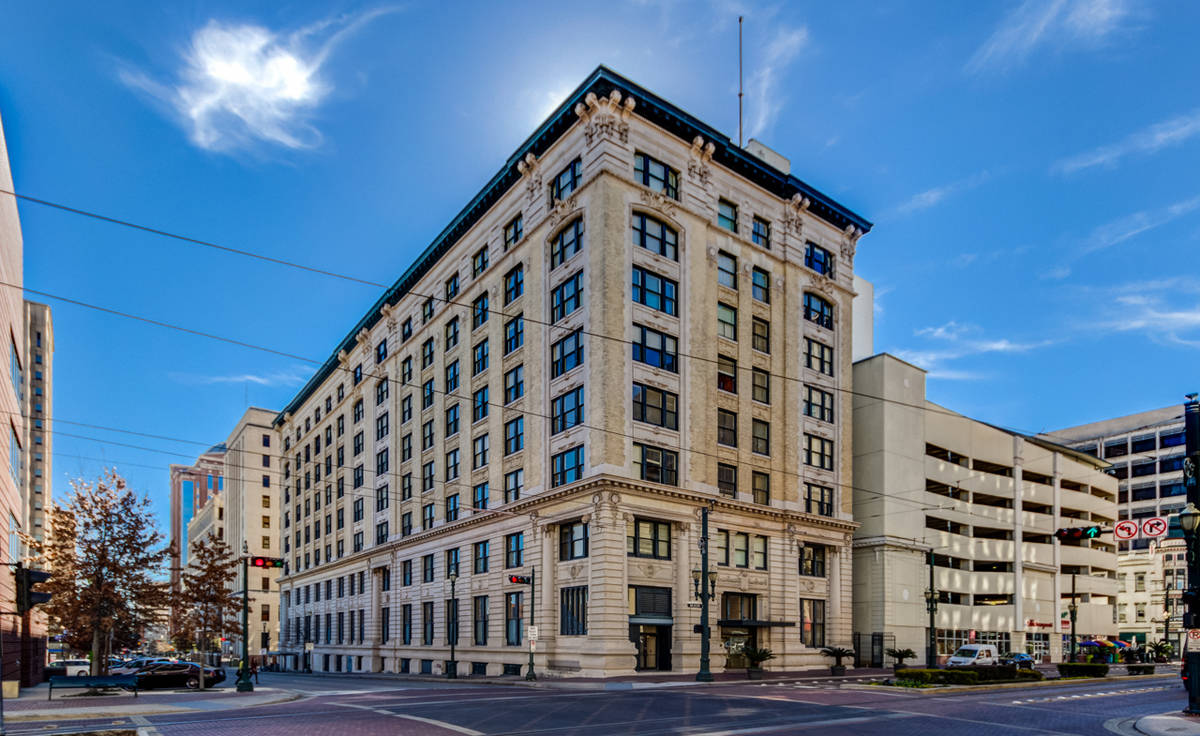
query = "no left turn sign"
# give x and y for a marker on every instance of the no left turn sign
(1125, 529)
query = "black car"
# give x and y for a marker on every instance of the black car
(177, 674)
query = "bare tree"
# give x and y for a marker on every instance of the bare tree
(107, 561)
(208, 602)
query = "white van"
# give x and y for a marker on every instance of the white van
(974, 654)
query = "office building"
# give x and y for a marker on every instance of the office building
(192, 486)
(986, 502)
(634, 320)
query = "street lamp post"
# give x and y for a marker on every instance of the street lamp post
(931, 605)
(244, 684)
(705, 592)
(1073, 610)
(452, 667)
(1189, 520)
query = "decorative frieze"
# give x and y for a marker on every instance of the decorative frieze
(605, 117)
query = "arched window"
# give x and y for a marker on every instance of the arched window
(655, 236)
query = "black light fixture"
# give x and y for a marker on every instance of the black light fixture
(712, 585)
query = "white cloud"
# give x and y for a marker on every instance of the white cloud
(1057, 23)
(242, 85)
(1132, 225)
(935, 360)
(1056, 273)
(765, 100)
(293, 377)
(930, 197)
(1153, 139)
(949, 331)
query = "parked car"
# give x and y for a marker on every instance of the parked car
(974, 654)
(178, 674)
(1020, 659)
(69, 667)
(132, 666)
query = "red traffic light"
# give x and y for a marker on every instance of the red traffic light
(522, 579)
(266, 562)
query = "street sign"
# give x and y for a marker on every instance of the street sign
(533, 645)
(1194, 635)
(695, 605)
(1155, 526)
(308, 646)
(533, 633)
(1125, 529)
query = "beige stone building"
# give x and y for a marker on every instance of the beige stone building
(987, 502)
(191, 488)
(1152, 580)
(634, 319)
(38, 410)
(251, 507)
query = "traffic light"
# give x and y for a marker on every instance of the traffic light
(1079, 532)
(266, 562)
(522, 579)
(27, 597)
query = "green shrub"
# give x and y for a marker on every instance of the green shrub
(1141, 669)
(990, 673)
(958, 677)
(1082, 669)
(915, 675)
(1030, 675)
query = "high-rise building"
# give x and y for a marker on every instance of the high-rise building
(634, 320)
(251, 502)
(191, 488)
(985, 502)
(38, 405)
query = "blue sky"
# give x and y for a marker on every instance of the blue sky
(1030, 167)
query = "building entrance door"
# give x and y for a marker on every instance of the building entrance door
(653, 647)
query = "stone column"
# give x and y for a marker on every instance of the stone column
(607, 650)
(685, 647)
(547, 620)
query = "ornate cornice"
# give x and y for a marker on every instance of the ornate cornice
(531, 175)
(605, 117)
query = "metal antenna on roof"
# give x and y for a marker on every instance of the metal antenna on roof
(739, 81)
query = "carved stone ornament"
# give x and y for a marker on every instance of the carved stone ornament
(658, 201)
(700, 158)
(614, 498)
(574, 571)
(648, 571)
(793, 215)
(807, 585)
(530, 170)
(561, 209)
(605, 117)
(850, 242)
(363, 336)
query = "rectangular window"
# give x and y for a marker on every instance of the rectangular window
(566, 466)
(818, 404)
(573, 541)
(452, 287)
(573, 607)
(812, 623)
(381, 533)
(452, 461)
(818, 310)
(479, 404)
(479, 452)
(405, 334)
(650, 172)
(406, 524)
(566, 354)
(656, 464)
(427, 516)
(427, 310)
(381, 426)
(479, 496)
(758, 553)
(741, 550)
(655, 348)
(649, 538)
(406, 572)
(427, 623)
(427, 571)
(727, 215)
(818, 499)
(514, 384)
(726, 428)
(452, 421)
(655, 406)
(812, 560)
(427, 435)
(514, 550)
(382, 462)
(654, 291)
(381, 351)
(818, 452)
(760, 437)
(726, 270)
(514, 482)
(406, 372)
(514, 284)
(427, 353)
(406, 624)
(479, 262)
(567, 243)
(655, 236)
(727, 374)
(566, 411)
(761, 234)
(761, 332)
(479, 358)
(481, 557)
(452, 509)
(514, 334)
(761, 486)
(479, 620)
(818, 356)
(566, 297)
(818, 259)
(513, 231)
(566, 182)
(761, 388)
(451, 562)
(406, 448)
(513, 619)
(479, 311)
(726, 321)
(514, 435)
(727, 479)
(451, 333)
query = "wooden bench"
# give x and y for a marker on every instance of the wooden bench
(96, 682)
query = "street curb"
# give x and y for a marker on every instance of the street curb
(956, 689)
(154, 710)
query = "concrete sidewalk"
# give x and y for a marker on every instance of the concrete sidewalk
(33, 706)
(1168, 724)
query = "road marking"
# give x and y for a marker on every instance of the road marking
(806, 724)
(1100, 694)
(430, 721)
(145, 728)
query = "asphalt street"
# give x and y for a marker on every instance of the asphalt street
(366, 706)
